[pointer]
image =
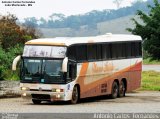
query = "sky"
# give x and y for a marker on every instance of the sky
(44, 8)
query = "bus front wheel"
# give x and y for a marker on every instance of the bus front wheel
(75, 95)
(115, 88)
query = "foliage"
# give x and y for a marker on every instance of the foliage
(149, 30)
(11, 33)
(150, 80)
(6, 59)
(151, 61)
(12, 39)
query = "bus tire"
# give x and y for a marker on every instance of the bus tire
(122, 89)
(36, 101)
(75, 95)
(115, 88)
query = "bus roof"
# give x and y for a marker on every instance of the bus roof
(67, 41)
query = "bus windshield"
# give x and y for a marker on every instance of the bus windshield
(42, 71)
(44, 51)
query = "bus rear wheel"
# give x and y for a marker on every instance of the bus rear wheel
(122, 89)
(36, 101)
(115, 88)
(75, 95)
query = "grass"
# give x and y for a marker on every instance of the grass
(149, 61)
(150, 80)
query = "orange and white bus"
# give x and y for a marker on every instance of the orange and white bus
(71, 68)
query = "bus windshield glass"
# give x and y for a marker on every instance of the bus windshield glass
(44, 51)
(42, 71)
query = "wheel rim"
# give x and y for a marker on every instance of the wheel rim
(115, 90)
(122, 89)
(75, 94)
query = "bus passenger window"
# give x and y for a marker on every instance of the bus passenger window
(72, 52)
(81, 53)
(128, 50)
(104, 51)
(114, 51)
(133, 49)
(91, 52)
(99, 51)
(138, 49)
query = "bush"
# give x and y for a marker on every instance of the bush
(6, 62)
(12, 39)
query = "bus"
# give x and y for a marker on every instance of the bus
(72, 68)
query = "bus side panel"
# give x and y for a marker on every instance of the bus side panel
(94, 83)
(134, 81)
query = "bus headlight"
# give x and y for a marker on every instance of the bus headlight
(24, 94)
(57, 90)
(24, 88)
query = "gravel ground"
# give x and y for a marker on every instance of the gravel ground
(138, 102)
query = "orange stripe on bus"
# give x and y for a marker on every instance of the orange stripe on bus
(84, 69)
(107, 78)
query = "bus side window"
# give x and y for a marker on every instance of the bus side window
(114, 49)
(91, 52)
(128, 49)
(72, 52)
(138, 49)
(72, 71)
(99, 52)
(133, 49)
(106, 51)
(81, 53)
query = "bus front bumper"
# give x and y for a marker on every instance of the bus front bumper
(44, 96)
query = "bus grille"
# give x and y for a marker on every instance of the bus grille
(40, 90)
(41, 96)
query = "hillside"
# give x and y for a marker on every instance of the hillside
(89, 20)
(113, 26)
(91, 23)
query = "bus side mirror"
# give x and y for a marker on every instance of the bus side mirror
(64, 64)
(15, 61)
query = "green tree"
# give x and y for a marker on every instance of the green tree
(11, 33)
(149, 30)
(12, 39)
